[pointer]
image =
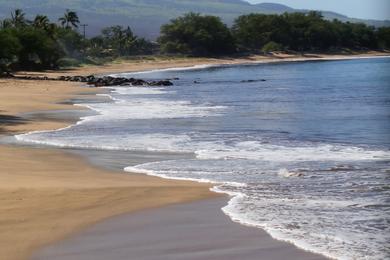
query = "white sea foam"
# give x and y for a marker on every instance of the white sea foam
(161, 175)
(287, 174)
(324, 152)
(132, 142)
(143, 108)
(147, 108)
(140, 91)
(334, 238)
(182, 174)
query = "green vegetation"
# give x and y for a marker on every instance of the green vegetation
(383, 35)
(40, 44)
(116, 41)
(304, 32)
(206, 35)
(26, 44)
(196, 35)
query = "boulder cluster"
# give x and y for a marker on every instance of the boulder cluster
(108, 81)
(105, 81)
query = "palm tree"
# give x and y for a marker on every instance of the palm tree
(18, 18)
(41, 21)
(70, 19)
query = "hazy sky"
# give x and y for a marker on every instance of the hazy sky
(367, 9)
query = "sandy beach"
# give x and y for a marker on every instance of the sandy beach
(48, 194)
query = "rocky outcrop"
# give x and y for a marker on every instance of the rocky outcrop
(105, 81)
(108, 81)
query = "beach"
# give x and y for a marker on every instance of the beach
(49, 194)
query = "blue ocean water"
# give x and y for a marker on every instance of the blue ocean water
(302, 147)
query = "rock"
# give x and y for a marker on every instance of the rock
(165, 83)
(248, 81)
(252, 80)
(139, 82)
(105, 81)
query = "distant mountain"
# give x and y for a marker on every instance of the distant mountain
(277, 8)
(146, 16)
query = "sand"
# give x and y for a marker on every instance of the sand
(191, 231)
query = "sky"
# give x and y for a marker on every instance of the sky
(365, 9)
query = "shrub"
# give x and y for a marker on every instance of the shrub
(272, 46)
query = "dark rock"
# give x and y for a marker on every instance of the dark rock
(165, 83)
(105, 81)
(139, 82)
(248, 81)
(252, 80)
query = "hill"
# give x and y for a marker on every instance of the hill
(146, 16)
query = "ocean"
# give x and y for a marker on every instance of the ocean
(303, 148)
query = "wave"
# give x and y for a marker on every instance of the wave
(315, 152)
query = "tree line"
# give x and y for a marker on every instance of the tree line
(207, 35)
(42, 44)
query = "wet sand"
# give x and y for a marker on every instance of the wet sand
(191, 231)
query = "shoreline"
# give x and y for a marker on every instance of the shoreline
(47, 194)
(141, 66)
(36, 125)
